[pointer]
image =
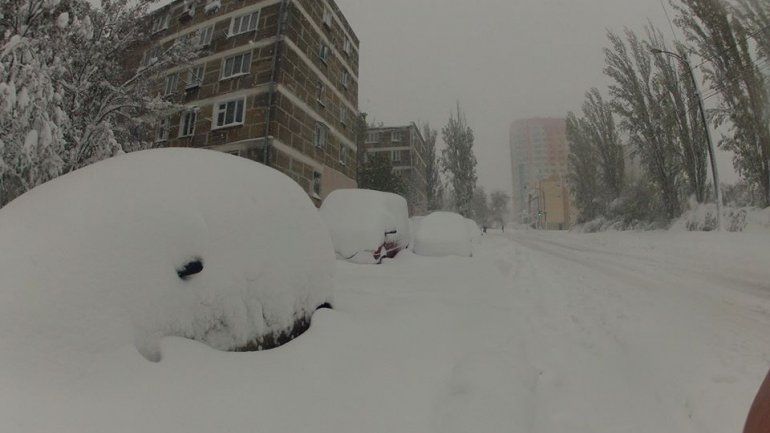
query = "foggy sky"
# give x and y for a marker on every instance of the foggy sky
(501, 59)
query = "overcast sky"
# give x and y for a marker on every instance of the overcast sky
(502, 59)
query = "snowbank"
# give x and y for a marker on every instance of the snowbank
(703, 218)
(474, 231)
(173, 242)
(443, 234)
(414, 223)
(361, 221)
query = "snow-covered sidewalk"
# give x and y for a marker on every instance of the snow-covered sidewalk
(538, 332)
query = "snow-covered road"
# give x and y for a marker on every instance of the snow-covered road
(640, 332)
(550, 332)
(537, 333)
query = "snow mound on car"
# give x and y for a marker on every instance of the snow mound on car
(172, 242)
(359, 218)
(443, 234)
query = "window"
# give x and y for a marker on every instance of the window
(343, 115)
(319, 137)
(163, 129)
(228, 113)
(204, 36)
(372, 137)
(347, 46)
(345, 79)
(324, 52)
(170, 85)
(151, 56)
(395, 136)
(343, 154)
(320, 89)
(244, 23)
(194, 77)
(395, 155)
(236, 65)
(160, 23)
(187, 122)
(327, 18)
(316, 186)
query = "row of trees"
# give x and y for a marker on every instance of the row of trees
(66, 97)
(456, 161)
(653, 105)
(491, 210)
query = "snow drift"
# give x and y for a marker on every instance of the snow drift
(474, 231)
(173, 242)
(443, 234)
(366, 225)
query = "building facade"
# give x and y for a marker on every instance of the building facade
(277, 83)
(539, 152)
(405, 147)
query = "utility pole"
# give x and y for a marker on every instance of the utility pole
(712, 156)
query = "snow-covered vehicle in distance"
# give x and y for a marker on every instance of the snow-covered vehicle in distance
(366, 226)
(444, 234)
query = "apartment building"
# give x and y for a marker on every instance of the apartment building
(405, 146)
(539, 152)
(277, 83)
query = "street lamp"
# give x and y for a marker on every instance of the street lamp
(712, 156)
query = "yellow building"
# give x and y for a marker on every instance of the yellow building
(548, 203)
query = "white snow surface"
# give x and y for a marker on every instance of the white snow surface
(537, 332)
(443, 234)
(359, 218)
(89, 262)
(474, 231)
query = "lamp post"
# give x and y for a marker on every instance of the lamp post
(712, 156)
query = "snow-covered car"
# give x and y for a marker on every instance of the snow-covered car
(366, 226)
(443, 234)
(171, 242)
(474, 231)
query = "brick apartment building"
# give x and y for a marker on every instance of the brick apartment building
(278, 84)
(406, 149)
(539, 152)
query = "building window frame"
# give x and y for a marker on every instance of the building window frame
(315, 185)
(235, 109)
(170, 84)
(320, 92)
(327, 17)
(248, 22)
(195, 76)
(204, 36)
(160, 23)
(345, 79)
(150, 54)
(343, 154)
(324, 52)
(187, 122)
(372, 137)
(320, 135)
(343, 115)
(164, 130)
(347, 46)
(395, 155)
(396, 137)
(239, 65)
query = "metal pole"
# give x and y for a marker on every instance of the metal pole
(712, 153)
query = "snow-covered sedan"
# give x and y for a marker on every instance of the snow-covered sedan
(366, 226)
